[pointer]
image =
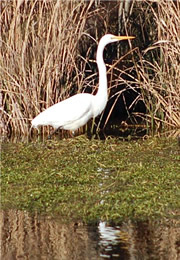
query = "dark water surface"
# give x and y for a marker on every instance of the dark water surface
(25, 236)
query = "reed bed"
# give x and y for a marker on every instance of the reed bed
(39, 50)
(158, 66)
(40, 62)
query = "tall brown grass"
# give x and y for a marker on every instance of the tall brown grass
(158, 68)
(39, 49)
(40, 63)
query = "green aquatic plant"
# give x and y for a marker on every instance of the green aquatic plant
(92, 180)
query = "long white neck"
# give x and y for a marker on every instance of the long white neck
(101, 97)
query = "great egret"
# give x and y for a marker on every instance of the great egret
(74, 112)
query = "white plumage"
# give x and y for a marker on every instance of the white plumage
(74, 112)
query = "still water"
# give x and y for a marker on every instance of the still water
(27, 236)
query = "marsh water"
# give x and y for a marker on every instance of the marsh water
(63, 203)
(27, 236)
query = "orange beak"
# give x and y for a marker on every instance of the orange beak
(120, 38)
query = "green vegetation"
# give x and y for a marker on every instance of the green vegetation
(91, 180)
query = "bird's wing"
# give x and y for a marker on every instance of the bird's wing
(68, 111)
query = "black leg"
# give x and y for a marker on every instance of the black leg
(53, 132)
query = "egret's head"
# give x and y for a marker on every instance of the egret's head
(108, 38)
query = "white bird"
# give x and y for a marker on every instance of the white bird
(74, 112)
